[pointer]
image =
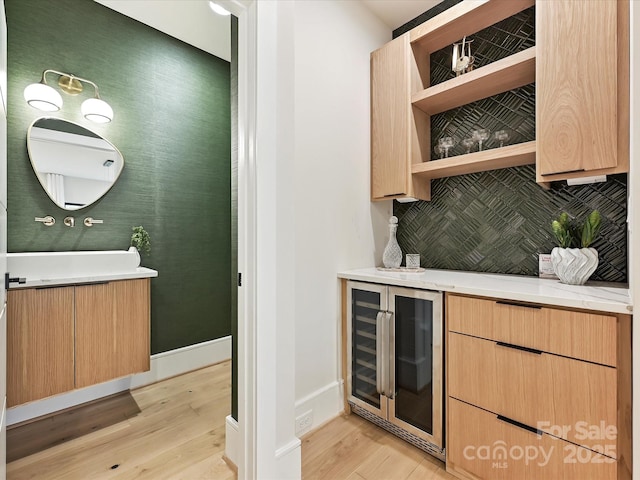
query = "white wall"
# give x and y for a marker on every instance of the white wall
(336, 226)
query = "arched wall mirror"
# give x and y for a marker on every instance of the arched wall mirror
(74, 165)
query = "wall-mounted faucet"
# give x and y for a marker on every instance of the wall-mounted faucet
(69, 221)
(90, 222)
(48, 220)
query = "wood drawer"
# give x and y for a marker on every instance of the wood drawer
(587, 336)
(481, 446)
(562, 396)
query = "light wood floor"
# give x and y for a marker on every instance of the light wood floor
(175, 430)
(350, 448)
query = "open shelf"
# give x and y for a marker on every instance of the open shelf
(464, 18)
(493, 159)
(501, 76)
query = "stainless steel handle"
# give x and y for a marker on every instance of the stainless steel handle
(379, 348)
(48, 220)
(385, 354)
(89, 222)
(391, 342)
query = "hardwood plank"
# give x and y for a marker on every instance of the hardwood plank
(352, 448)
(39, 435)
(178, 433)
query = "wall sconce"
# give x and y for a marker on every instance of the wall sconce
(44, 97)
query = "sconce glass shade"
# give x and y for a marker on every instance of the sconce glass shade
(43, 97)
(96, 110)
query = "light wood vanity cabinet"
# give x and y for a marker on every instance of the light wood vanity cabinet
(112, 331)
(40, 342)
(530, 378)
(582, 111)
(61, 338)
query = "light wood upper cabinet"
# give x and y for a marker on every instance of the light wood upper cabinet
(391, 124)
(112, 331)
(39, 343)
(63, 338)
(582, 88)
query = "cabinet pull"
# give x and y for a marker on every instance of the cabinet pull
(393, 194)
(517, 304)
(519, 425)
(391, 375)
(566, 171)
(518, 347)
(379, 347)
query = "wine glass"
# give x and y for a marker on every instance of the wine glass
(468, 144)
(439, 151)
(446, 143)
(480, 135)
(501, 136)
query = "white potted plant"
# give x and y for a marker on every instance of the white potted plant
(140, 241)
(574, 266)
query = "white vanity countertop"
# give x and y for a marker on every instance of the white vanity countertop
(140, 272)
(600, 296)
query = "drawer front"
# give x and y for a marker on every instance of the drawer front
(587, 336)
(568, 398)
(481, 446)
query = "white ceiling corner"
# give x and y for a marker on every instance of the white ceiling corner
(395, 13)
(191, 21)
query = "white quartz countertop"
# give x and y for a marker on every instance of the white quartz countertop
(140, 272)
(600, 296)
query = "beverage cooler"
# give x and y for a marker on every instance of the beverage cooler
(395, 360)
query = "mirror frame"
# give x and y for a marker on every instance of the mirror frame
(35, 171)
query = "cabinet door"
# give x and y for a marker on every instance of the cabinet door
(112, 330)
(576, 86)
(483, 445)
(390, 114)
(39, 343)
(367, 357)
(535, 388)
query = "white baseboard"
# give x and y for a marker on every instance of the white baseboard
(232, 439)
(163, 365)
(326, 403)
(289, 461)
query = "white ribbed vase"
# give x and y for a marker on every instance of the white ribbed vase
(574, 266)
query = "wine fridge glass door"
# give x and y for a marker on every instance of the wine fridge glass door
(416, 362)
(366, 304)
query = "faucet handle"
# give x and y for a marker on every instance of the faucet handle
(90, 222)
(48, 220)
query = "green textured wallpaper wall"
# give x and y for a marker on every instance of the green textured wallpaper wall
(172, 125)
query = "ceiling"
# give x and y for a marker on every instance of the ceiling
(395, 13)
(193, 22)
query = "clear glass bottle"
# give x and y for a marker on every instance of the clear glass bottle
(392, 255)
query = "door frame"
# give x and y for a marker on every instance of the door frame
(246, 12)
